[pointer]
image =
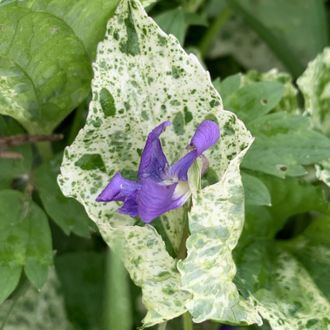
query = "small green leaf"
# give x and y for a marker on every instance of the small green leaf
(25, 240)
(287, 154)
(255, 191)
(256, 99)
(9, 278)
(177, 21)
(66, 212)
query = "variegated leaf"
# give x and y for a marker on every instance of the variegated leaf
(315, 86)
(216, 221)
(143, 77)
(291, 299)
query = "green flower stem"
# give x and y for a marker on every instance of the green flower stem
(186, 318)
(182, 253)
(213, 31)
(162, 326)
(45, 150)
(187, 321)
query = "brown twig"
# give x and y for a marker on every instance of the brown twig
(17, 140)
(10, 155)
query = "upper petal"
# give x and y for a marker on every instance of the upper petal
(180, 168)
(206, 135)
(153, 162)
(118, 189)
(154, 198)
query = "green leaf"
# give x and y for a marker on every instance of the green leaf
(37, 310)
(255, 191)
(215, 222)
(289, 102)
(285, 142)
(25, 239)
(66, 212)
(157, 81)
(177, 21)
(9, 278)
(87, 19)
(82, 279)
(280, 25)
(255, 99)
(44, 68)
(274, 155)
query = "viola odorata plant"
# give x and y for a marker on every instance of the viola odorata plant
(160, 188)
(142, 205)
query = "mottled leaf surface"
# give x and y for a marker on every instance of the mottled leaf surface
(286, 278)
(142, 77)
(215, 222)
(315, 86)
(87, 19)
(292, 300)
(36, 310)
(44, 68)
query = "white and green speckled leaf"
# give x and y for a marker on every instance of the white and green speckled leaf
(292, 300)
(315, 86)
(216, 220)
(143, 77)
(36, 310)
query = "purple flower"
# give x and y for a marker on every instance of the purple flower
(160, 187)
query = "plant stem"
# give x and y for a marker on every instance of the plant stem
(187, 322)
(45, 150)
(162, 326)
(182, 253)
(213, 31)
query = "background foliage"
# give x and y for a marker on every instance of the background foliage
(257, 53)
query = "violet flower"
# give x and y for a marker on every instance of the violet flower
(160, 187)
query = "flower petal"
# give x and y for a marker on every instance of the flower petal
(153, 161)
(155, 199)
(130, 207)
(118, 189)
(181, 167)
(206, 135)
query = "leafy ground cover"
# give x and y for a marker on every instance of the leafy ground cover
(83, 83)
